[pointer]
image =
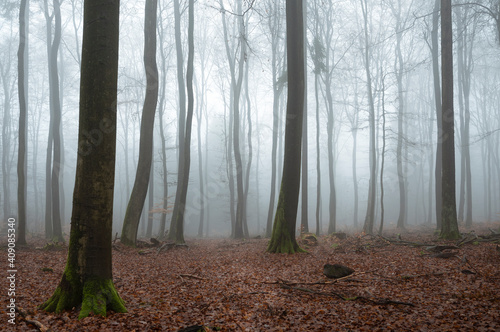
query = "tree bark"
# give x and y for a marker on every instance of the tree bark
(6, 137)
(22, 84)
(181, 85)
(304, 222)
(370, 210)
(56, 126)
(178, 217)
(140, 189)
(87, 278)
(277, 90)
(449, 227)
(283, 235)
(398, 68)
(439, 112)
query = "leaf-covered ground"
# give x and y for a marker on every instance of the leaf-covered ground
(231, 285)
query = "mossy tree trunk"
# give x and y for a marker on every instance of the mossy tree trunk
(140, 189)
(283, 235)
(87, 279)
(449, 224)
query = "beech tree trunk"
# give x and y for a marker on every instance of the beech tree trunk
(449, 226)
(22, 84)
(56, 126)
(140, 189)
(439, 117)
(178, 218)
(283, 235)
(87, 281)
(370, 210)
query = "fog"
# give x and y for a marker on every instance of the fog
(336, 95)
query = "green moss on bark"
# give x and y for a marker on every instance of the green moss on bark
(283, 236)
(67, 294)
(99, 296)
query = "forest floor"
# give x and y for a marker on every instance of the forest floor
(401, 283)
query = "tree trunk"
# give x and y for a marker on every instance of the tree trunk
(439, 112)
(370, 210)
(181, 85)
(318, 158)
(56, 126)
(277, 90)
(180, 198)
(151, 197)
(250, 151)
(140, 189)
(6, 137)
(161, 110)
(382, 157)
(283, 235)
(304, 223)
(22, 84)
(399, 68)
(449, 227)
(87, 278)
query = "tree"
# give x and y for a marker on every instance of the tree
(140, 189)
(283, 235)
(22, 85)
(236, 87)
(399, 70)
(177, 223)
(278, 74)
(439, 111)
(449, 225)
(87, 279)
(464, 66)
(8, 85)
(304, 223)
(53, 212)
(161, 111)
(370, 210)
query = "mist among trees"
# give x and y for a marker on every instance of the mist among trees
(201, 116)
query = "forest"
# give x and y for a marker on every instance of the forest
(163, 160)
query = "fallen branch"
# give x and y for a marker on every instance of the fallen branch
(405, 243)
(29, 320)
(191, 276)
(168, 245)
(406, 277)
(362, 298)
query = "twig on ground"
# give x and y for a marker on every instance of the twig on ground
(191, 276)
(374, 301)
(29, 320)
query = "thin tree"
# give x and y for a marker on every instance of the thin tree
(8, 85)
(55, 103)
(399, 71)
(370, 210)
(140, 189)
(449, 225)
(87, 281)
(22, 85)
(50, 138)
(181, 86)
(161, 111)
(304, 223)
(439, 111)
(283, 235)
(236, 87)
(177, 223)
(278, 74)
